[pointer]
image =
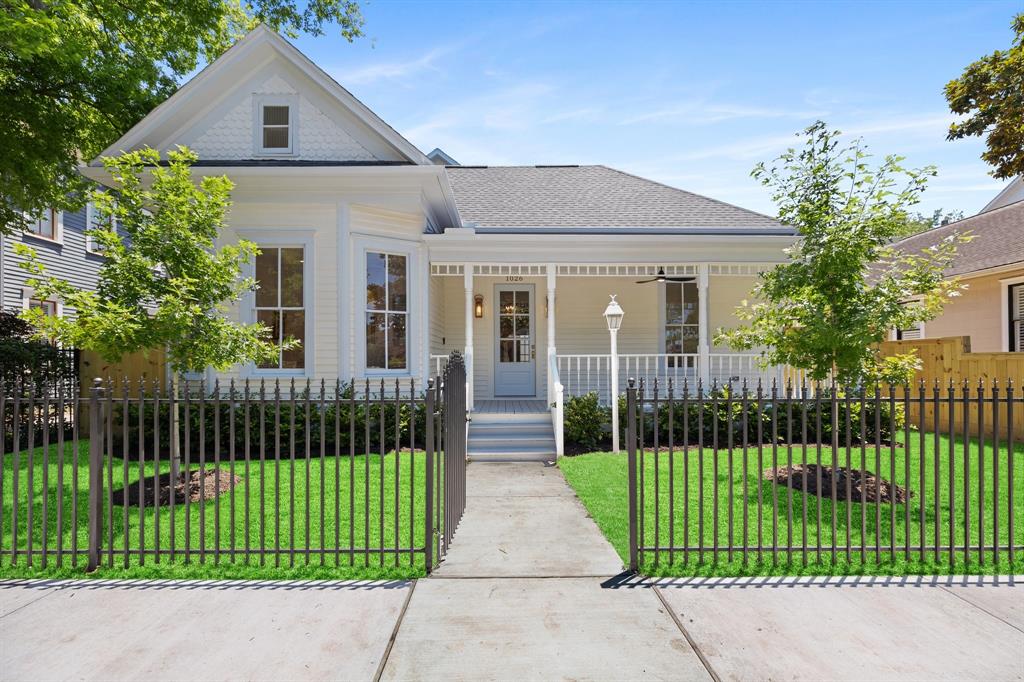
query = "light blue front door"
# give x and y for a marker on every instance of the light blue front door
(515, 364)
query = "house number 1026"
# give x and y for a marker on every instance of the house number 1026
(514, 278)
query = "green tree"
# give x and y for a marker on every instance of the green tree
(77, 74)
(844, 287)
(990, 92)
(919, 222)
(163, 282)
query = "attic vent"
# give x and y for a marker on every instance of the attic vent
(275, 124)
(275, 127)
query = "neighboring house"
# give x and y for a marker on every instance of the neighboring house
(59, 238)
(1010, 194)
(991, 310)
(382, 260)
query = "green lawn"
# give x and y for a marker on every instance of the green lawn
(600, 480)
(320, 502)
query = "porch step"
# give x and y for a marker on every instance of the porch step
(511, 437)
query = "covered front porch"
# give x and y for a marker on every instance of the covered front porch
(536, 332)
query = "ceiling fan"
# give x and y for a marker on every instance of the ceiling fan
(663, 278)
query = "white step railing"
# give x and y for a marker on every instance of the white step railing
(437, 364)
(556, 398)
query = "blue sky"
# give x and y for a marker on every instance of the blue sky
(692, 95)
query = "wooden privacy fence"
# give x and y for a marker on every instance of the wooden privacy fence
(838, 480)
(950, 359)
(149, 367)
(269, 474)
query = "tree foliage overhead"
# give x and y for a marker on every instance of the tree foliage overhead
(844, 286)
(77, 74)
(990, 92)
(163, 282)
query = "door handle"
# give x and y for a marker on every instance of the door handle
(533, 351)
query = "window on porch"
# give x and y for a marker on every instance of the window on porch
(682, 319)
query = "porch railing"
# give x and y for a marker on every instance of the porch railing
(582, 374)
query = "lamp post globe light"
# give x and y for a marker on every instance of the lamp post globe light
(613, 315)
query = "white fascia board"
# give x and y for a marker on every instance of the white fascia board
(655, 230)
(608, 249)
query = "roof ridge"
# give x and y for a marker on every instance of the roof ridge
(951, 227)
(684, 191)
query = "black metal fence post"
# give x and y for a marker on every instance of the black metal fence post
(428, 539)
(634, 563)
(96, 423)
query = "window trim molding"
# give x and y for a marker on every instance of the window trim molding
(360, 246)
(894, 332)
(292, 102)
(1004, 310)
(28, 293)
(284, 238)
(663, 317)
(58, 229)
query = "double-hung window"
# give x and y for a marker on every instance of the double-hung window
(44, 225)
(682, 319)
(280, 302)
(1015, 297)
(387, 311)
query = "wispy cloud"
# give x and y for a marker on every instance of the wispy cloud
(701, 112)
(378, 71)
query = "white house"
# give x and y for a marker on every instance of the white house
(383, 261)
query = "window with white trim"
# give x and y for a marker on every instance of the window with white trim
(682, 317)
(280, 302)
(49, 308)
(275, 128)
(910, 333)
(1015, 298)
(45, 224)
(387, 311)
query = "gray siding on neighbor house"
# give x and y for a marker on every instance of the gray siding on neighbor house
(67, 260)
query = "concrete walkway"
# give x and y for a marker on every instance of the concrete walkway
(523, 520)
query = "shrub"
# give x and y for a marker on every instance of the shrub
(584, 421)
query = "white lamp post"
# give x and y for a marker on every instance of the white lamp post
(613, 315)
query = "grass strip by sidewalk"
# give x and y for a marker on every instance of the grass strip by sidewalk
(600, 480)
(318, 484)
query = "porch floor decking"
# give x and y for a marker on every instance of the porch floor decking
(511, 406)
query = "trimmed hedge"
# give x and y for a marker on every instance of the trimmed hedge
(587, 422)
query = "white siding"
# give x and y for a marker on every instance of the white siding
(725, 293)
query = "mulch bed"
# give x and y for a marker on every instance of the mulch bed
(204, 480)
(864, 485)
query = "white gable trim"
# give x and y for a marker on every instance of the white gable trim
(192, 102)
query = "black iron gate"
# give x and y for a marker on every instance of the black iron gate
(446, 435)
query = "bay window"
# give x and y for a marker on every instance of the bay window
(280, 302)
(387, 311)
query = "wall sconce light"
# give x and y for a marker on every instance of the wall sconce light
(478, 306)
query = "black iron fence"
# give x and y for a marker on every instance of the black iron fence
(770, 478)
(367, 474)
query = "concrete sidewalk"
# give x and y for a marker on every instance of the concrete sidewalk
(196, 630)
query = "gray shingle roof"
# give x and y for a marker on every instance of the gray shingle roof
(998, 240)
(585, 196)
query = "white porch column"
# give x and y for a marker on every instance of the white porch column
(468, 282)
(704, 340)
(552, 274)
